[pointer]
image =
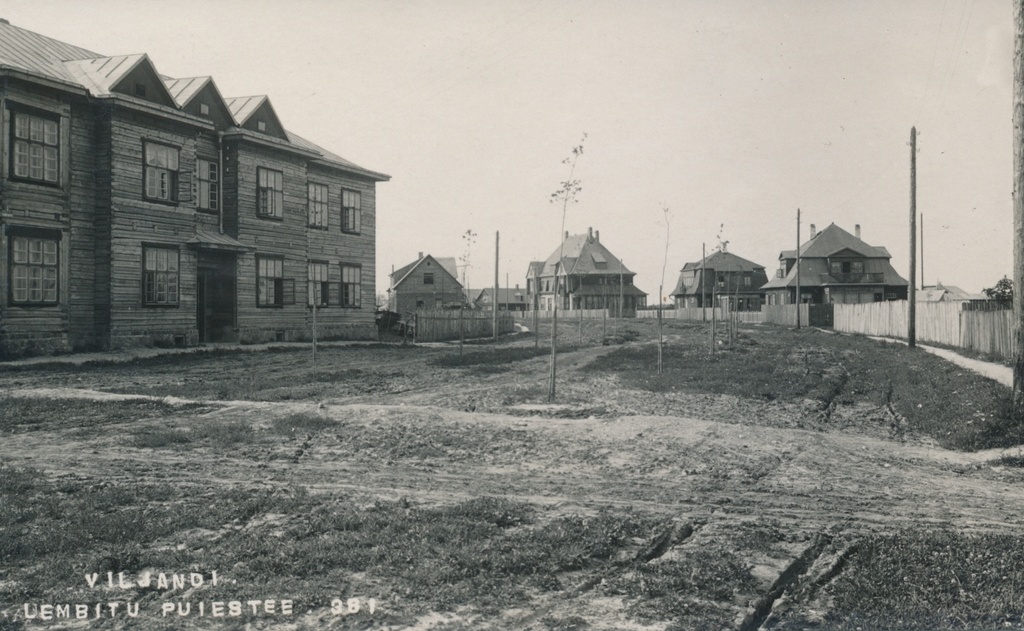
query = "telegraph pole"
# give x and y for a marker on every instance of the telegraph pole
(1018, 209)
(703, 284)
(494, 303)
(797, 297)
(912, 295)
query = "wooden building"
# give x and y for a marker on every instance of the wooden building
(721, 279)
(137, 209)
(588, 276)
(426, 283)
(835, 267)
(509, 298)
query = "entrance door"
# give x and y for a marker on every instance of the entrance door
(215, 297)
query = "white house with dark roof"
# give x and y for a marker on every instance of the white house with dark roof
(836, 267)
(588, 276)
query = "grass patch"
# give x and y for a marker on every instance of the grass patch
(302, 423)
(928, 579)
(489, 553)
(958, 408)
(20, 414)
(216, 434)
(498, 356)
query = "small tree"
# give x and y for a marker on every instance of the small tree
(469, 238)
(565, 194)
(1002, 292)
(664, 262)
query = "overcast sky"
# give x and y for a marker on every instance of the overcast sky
(732, 114)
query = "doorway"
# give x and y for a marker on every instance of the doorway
(215, 297)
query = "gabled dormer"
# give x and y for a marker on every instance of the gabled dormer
(255, 113)
(130, 75)
(847, 253)
(200, 97)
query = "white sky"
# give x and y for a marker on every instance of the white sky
(727, 112)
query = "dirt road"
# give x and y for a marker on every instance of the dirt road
(762, 492)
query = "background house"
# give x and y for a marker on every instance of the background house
(952, 293)
(426, 283)
(141, 209)
(836, 267)
(719, 279)
(509, 298)
(589, 275)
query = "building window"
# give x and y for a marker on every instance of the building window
(161, 172)
(159, 276)
(270, 193)
(857, 267)
(34, 270)
(351, 201)
(318, 205)
(261, 125)
(319, 290)
(204, 109)
(746, 280)
(140, 89)
(351, 286)
(35, 147)
(428, 278)
(208, 181)
(269, 281)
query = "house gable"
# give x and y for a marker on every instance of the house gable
(255, 113)
(200, 97)
(143, 82)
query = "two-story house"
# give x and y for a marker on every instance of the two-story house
(721, 278)
(836, 267)
(141, 209)
(588, 276)
(426, 283)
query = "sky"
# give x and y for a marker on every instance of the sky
(705, 121)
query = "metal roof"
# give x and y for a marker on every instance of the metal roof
(47, 57)
(184, 89)
(582, 254)
(242, 107)
(206, 240)
(38, 53)
(101, 74)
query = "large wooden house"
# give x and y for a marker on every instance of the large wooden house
(141, 209)
(588, 276)
(835, 267)
(721, 279)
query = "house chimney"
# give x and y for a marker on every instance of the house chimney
(813, 231)
(856, 231)
(421, 256)
(566, 234)
(590, 233)
(597, 236)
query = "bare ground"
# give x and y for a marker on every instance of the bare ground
(767, 483)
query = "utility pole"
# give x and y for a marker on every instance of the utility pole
(797, 297)
(494, 303)
(1018, 210)
(922, 250)
(536, 307)
(912, 296)
(703, 285)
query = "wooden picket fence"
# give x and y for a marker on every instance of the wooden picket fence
(448, 325)
(572, 314)
(944, 323)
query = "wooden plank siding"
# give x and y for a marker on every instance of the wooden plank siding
(31, 205)
(99, 209)
(135, 222)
